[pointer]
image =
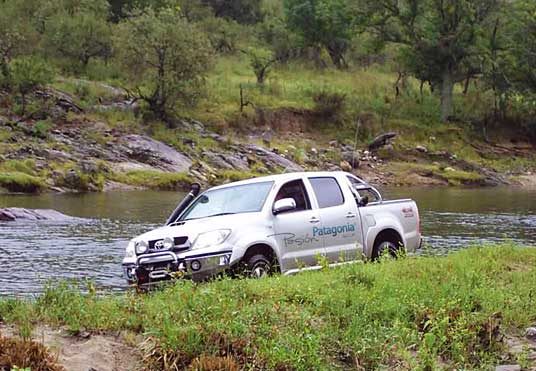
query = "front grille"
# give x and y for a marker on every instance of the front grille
(178, 241)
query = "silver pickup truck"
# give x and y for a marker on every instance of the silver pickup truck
(281, 223)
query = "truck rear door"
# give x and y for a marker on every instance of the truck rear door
(340, 229)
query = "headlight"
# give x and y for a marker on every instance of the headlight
(141, 247)
(211, 238)
(130, 252)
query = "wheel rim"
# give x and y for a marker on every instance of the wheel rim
(387, 247)
(260, 270)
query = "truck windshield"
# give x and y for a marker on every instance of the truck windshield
(239, 199)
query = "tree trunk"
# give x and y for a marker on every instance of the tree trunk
(23, 96)
(447, 88)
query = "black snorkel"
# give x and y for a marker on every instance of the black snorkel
(194, 192)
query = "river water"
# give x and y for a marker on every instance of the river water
(32, 253)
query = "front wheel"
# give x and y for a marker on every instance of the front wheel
(258, 266)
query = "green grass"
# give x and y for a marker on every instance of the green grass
(414, 313)
(20, 182)
(453, 177)
(154, 179)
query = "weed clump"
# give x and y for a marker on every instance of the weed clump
(26, 354)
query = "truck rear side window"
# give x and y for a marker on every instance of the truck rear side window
(327, 191)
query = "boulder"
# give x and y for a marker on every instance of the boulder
(346, 166)
(16, 213)
(272, 160)
(531, 333)
(421, 149)
(157, 154)
(229, 161)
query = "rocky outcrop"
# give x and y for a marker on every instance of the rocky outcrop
(157, 154)
(271, 159)
(15, 213)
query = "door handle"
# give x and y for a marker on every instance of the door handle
(314, 220)
(350, 215)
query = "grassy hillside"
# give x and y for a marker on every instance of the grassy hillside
(415, 313)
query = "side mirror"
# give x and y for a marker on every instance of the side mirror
(364, 201)
(283, 205)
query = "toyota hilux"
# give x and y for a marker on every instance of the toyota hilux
(280, 223)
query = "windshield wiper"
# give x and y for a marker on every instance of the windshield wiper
(219, 214)
(208, 216)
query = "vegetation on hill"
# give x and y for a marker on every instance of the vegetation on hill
(458, 77)
(415, 313)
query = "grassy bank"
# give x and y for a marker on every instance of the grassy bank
(426, 312)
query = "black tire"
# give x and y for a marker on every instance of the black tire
(257, 266)
(383, 247)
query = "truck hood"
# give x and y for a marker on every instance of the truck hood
(192, 228)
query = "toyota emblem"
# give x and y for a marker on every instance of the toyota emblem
(159, 244)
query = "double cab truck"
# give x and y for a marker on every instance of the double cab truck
(281, 223)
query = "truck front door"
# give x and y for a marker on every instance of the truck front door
(340, 228)
(294, 229)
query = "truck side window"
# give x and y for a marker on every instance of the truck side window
(327, 191)
(296, 190)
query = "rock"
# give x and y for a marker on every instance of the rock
(267, 137)
(156, 154)
(333, 143)
(314, 151)
(227, 161)
(16, 213)
(421, 149)
(272, 160)
(531, 333)
(449, 169)
(382, 140)
(88, 167)
(508, 368)
(346, 166)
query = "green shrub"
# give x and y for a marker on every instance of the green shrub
(41, 129)
(20, 182)
(155, 179)
(329, 105)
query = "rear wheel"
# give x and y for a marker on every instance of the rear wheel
(387, 248)
(258, 266)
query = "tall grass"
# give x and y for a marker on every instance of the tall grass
(414, 313)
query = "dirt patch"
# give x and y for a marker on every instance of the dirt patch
(91, 352)
(527, 181)
(285, 120)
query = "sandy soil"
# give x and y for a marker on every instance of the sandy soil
(88, 353)
(527, 181)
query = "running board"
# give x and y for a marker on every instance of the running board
(318, 267)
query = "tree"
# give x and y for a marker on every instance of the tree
(261, 60)
(80, 32)
(443, 39)
(166, 58)
(242, 11)
(16, 35)
(28, 73)
(322, 24)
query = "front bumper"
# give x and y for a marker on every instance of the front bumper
(162, 266)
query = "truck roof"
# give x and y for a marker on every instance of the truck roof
(287, 177)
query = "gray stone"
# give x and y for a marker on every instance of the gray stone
(531, 333)
(508, 368)
(15, 213)
(421, 149)
(273, 160)
(152, 152)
